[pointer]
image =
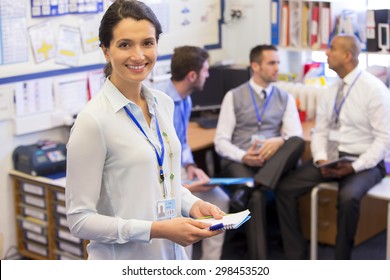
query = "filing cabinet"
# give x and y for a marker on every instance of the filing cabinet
(41, 226)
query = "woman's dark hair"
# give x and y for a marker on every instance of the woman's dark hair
(119, 10)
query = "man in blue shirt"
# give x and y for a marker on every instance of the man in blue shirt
(189, 69)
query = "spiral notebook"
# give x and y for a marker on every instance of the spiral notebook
(229, 221)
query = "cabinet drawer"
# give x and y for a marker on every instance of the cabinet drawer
(34, 212)
(59, 209)
(33, 225)
(59, 196)
(61, 255)
(76, 250)
(35, 237)
(61, 221)
(38, 201)
(33, 189)
(37, 248)
(64, 234)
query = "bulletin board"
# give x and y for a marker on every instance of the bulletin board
(46, 52)
(190, 22)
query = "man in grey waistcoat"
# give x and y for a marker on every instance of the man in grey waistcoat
(259, 135)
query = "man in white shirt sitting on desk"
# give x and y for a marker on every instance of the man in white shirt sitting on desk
(189, 69)
(353, 119)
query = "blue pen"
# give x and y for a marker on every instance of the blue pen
(216, 227)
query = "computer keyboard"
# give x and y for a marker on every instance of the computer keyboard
(207, 122)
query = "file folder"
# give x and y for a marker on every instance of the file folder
(305, 23)
(325, 26)
(315, 13)
(275, 22)
(295, 24)
(285, 22)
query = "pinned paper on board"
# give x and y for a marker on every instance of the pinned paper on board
(68, 45)
(42, 41)
(34, 97)
(71, 93)
(13, 40)
(89, 26)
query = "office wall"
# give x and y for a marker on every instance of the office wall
(238, 37)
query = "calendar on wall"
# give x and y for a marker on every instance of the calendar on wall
(48, 8)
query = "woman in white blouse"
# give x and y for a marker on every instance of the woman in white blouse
(123, 159)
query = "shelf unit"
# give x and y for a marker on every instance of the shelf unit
(309, 24)
(293, 55)
(41, 225)
(292, 29)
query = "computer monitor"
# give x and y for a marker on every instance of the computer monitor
(383, 36)
(221, 80)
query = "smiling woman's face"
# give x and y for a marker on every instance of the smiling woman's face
(132, 52)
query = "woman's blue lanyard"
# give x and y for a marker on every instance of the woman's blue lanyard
(258, 115)
(160, 157)
(183, 113)
(337, 110)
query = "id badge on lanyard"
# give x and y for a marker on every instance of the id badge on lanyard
(259, 138)
(166, 209)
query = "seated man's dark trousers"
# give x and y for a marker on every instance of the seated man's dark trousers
(266, 177)
(351, 190)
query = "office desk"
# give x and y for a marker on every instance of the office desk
(200, 138)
